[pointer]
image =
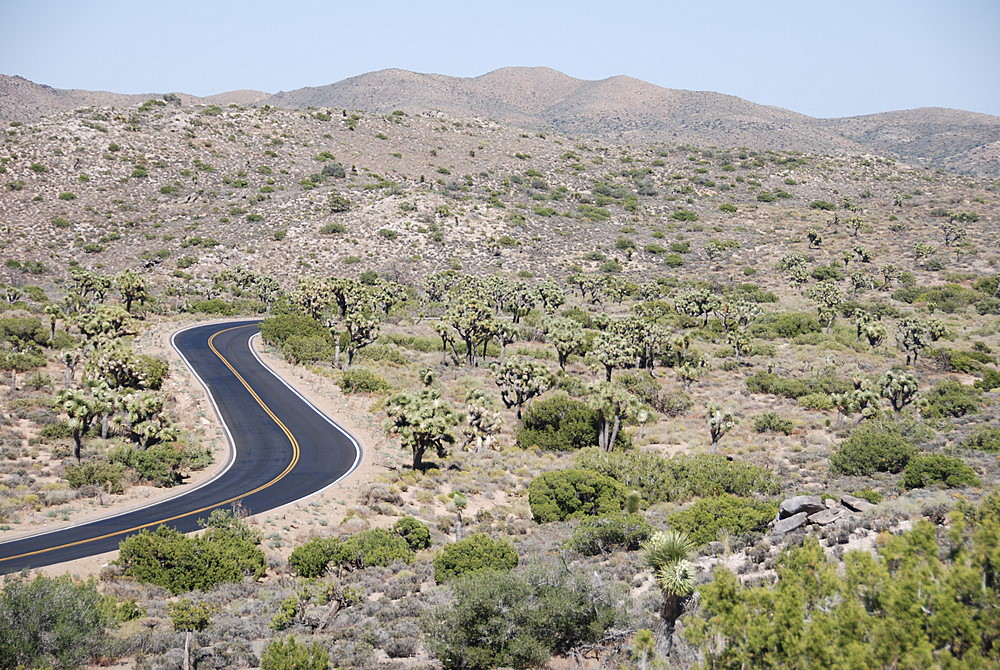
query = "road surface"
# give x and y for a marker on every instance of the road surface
(283, 449)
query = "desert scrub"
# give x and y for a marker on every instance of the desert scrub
(737, 516)
(570, 494)
(363, 380)
(929, 469)
(682, 477)
(985, 438)
(611, 532)
(772, 422)
(475, 553)
(878, 446)
(950, 398)
(314, 557)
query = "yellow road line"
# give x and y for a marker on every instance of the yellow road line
(291, 464)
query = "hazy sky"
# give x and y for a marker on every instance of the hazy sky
(824, 58)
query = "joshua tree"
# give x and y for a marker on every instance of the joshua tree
(899, 387)
(720, 422)
(520, 380)
(423, 421)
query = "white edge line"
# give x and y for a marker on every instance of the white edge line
(357, 447)
(180, 494)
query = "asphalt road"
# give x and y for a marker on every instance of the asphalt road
(284, 449)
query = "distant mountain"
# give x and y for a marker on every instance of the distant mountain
(23, 100)
(618, 109)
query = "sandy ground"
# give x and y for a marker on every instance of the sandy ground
(288, 524)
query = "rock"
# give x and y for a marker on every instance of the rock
(826, 517)
(855, 504)
(831, 503)
(789, 524)
(807, 504)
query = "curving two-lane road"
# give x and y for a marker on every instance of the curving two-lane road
(283, 450)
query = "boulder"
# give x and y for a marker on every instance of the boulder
(808, 504)
(827, 516)
(831, 503)
(789, 524)
(855, 504)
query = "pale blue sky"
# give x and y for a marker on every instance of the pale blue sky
(824, 58)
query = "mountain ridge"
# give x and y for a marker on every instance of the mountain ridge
(620, 109)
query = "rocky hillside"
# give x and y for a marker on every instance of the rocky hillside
(192, 190)
(618, 109)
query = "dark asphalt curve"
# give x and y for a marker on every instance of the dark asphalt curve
(283, 449)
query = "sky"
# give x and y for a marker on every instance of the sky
(823, 58)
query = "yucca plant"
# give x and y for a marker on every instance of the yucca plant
(668, 553)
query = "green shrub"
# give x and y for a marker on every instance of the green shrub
(308, 348)
(333, 228)
(215, 306)
(107, 476)
(363, 380)
(642, 471)
(57, 431)
(475, 553)
(738, 516)
(383, 352)
(314, 557)
(713, 474)
(877, 446)
(51, 622)
(226, 552)
(952, 360)
(872, 496)
(673, 260)
(990, 380)
(950, 398)
(509, 620)
(929, 469)
(611, 532)
(684, 215)
(288, 654)
(772, 422)
(986, 438)
(569, 494)
(826, 382)
(416, 534)
(787, 325)
(159, 465)
(377, 546)
(822, 204)
(276, 330)
(820, 401)
(559, 423)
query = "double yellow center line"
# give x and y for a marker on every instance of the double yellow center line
(288, 468)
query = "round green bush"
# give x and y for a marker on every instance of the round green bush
(929, 469)
(871, 448)
(569, 494)
(314, 557)
(416, 534)
(558, 423)
(377, 546)
(473, 554)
